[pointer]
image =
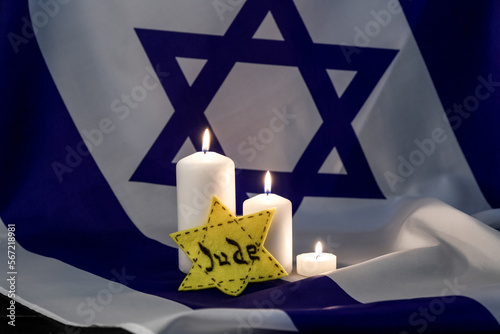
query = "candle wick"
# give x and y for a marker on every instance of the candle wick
(317, 256)
(204, 151)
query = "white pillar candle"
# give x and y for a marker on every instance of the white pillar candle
(200, 176)
(310, 264)
(280, 235)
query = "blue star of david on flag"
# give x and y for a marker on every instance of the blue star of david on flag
(296, 49)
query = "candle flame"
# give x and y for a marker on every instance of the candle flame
(206, 141)
(318, 250)
(267, 183)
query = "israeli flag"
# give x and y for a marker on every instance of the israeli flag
(377, 120)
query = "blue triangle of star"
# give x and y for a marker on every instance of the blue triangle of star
(298, 50)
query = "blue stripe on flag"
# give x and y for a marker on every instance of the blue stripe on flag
(420, 315)
(459, 43)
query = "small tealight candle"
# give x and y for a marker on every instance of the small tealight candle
(310, 264)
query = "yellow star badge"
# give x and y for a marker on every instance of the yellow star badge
(228, 251)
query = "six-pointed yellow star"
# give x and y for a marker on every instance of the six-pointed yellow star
(228, 251)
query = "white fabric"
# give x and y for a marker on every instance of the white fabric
(408, 248)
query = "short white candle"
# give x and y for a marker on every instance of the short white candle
(280, 235)
(200, 176)
(310, 264)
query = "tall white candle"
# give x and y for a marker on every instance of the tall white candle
(310, 264)
(200, 176)
(280, 235)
